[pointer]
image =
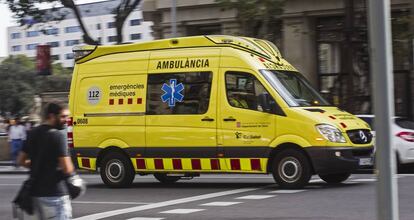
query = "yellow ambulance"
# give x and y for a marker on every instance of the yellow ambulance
(178, 108)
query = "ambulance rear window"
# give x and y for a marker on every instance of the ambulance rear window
(178, 93)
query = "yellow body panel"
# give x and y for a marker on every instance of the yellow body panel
(109, 105)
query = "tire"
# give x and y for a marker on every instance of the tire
(163, 178)
(117, 170)
(335, 178)
(291, 169)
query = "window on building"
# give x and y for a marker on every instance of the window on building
(69, 56)
(72, 42)
(15, 35)
(32, 33)
(99, 40)
(135, 22)
(98, 26)
(112, 38)
(16, 48)
(110, 25)
(135, 36)
(31, 46)
(54, 44)
(72, 29)
(191, 96)
(51, 31)
(55, 57)
(244, 91)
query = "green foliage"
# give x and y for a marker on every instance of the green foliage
(58, 69)
(257, 18)
(19, 83)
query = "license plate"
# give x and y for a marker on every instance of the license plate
(365, 161)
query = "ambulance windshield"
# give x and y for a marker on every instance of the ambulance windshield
(294, 88)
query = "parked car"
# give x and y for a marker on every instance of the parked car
(403, 137)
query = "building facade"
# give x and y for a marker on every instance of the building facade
(194, 17)
(327, 40)
(62, 36)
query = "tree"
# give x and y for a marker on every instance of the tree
(16, 84)
(121, 14)
(19, 83)
(257, 18)
(24, 10)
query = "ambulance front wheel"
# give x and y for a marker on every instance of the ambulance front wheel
(291, 169)
(335, 178)
(117, 170)
(163, 178)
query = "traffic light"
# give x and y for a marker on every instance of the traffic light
(43, 60)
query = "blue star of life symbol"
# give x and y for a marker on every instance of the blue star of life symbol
(172, 92)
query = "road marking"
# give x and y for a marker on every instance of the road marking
(15, 176)
(316, 181)
(255, 197)
(287, 191)
(181, 211)
(163, 204)
(220, 203)
(363, 180)
(10, 184)
(144, 218)
(405, 175)
(114, 203)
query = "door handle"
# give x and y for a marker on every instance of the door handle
(207, 119)
(229, 119)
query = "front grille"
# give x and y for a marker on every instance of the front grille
(360, 136)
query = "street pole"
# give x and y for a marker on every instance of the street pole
(381, 70)
(174, 18)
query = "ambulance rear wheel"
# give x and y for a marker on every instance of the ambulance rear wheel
(163, 178)
(335, 178)
(291, 169)
(117, 170)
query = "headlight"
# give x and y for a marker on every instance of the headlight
(331, 133)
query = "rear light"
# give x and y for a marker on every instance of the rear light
(407, 136)
(69, 123)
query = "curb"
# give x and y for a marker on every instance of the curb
(12, 170)
(6, 163)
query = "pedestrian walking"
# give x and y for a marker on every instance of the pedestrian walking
(46, 154)
(17, 134)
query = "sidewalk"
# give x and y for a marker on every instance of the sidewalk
(6, 167)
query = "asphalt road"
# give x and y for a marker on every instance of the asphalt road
(225, 197)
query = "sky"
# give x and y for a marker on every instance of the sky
(8, 20)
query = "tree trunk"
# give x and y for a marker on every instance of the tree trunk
(123, 10)
(86, 37)
(119, 23)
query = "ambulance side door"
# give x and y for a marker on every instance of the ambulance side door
(245, 128)
(181, 116)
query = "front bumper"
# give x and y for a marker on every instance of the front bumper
(327, 160)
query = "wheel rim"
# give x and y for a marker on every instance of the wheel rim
(290, 169)
(114, 170)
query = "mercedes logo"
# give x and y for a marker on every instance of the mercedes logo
(363, 136)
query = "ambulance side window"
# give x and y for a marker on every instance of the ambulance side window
(178, 93)
(245, 91)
